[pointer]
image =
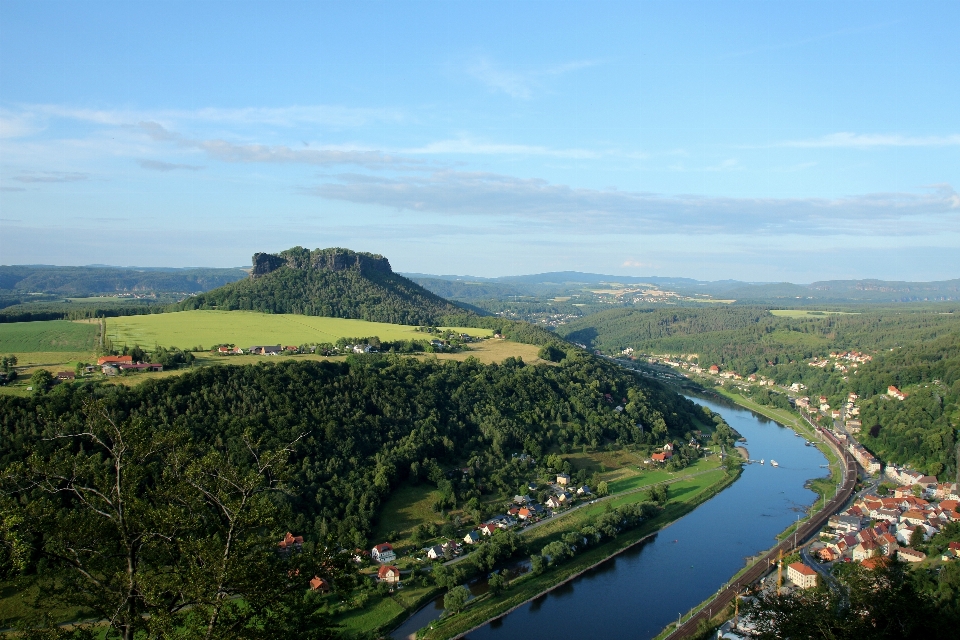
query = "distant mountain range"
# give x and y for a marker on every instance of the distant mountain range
(468, 288)
(335, 282)
(99, 280)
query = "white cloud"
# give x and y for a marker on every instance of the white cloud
(51, 176)
(245, 153)
(519, 84)
(869, 140)
(158, 165)
(590, 210)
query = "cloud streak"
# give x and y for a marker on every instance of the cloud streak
(519, 84)
(226, 151)
(537, 201)
(849, 140)
(158, 165)
(51, 176)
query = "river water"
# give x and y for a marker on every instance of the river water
(637, 593)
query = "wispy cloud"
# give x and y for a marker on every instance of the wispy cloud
(51, 176)
(538, 201)
(226, 151)
(314, 115)
(469, 146)
(868, 140)
(519, 84)
(158, 165)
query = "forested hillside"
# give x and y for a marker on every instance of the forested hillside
(86, 281)
(298, 283)
(372, 422)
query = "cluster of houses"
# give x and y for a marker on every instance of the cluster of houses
(842, 362)
(894, 519)
(294, 544)
(112, 365)
(853, 425)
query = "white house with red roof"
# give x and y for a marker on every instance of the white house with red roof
(383, 553)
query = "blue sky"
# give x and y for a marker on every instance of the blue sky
(761, 141)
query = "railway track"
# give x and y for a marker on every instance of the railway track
(688, 627)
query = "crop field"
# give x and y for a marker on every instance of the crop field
(50, 336)
(187, 329)
(803, 313)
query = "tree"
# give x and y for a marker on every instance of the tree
(41, 380)
(658, 493)
(456, 598)
(536, 564)
(497, 583)
(603, 488)
(155, 534)
(917, 537)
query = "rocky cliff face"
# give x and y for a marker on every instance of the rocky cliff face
(334, 259)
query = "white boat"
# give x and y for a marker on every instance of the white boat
(773, 463)
(761, 460)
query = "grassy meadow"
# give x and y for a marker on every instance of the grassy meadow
(52, 336)
(187, 329)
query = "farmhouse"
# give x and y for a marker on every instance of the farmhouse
(319, 584)
(383, 553)
(114, 360)
(388, 574)
(262, 350)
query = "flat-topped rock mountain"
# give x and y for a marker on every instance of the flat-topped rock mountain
(332, 282)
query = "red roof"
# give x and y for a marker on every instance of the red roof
(319, 584)
(385, 546)
(115, 360)
(802, 568)
(386, 571)
(290, 540)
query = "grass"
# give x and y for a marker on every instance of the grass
(806, 313)
(186, 329)
(406, 507)
(370, 617)
(688, 494)
(52, 336)
(16, 603)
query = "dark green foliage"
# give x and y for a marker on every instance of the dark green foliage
(363, 294)
(884, 604)
(365, 423)
(85, 281)
(552, 352)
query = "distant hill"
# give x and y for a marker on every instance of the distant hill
(335, 282)
(99, 280)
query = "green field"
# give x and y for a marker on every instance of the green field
(49, 336)
(803, 313)
(187, 329)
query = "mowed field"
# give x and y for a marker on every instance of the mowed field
(188, 329)
(52, 336)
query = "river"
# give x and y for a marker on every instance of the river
(637, 593)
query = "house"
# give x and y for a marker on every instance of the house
(66, 375)
(896, 393)
(435, 552)
(828, 555)
(865, 550)
(714, 369)
(524, 513)
(109, 370)
(522, 500)
(565, 497)
(553, 502)
(802, 575)
(290, 543)
(910, 555)
(471, 538)
(853, 426)
(913, 517)
(114, 360)
(583, 491)
(265, 350)
(563, 479)
(661, 457)
(388, 574)
(383, 553)
(847, 524)
(319, 584)
(142, 366)
(488, 529)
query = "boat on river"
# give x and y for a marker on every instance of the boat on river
(773, 463)
(761, 460)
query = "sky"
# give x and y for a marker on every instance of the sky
(761, 141)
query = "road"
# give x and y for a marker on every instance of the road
(808, 528)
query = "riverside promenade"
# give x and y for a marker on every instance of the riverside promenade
(689, 626)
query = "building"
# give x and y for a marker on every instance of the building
(290, 543)
(114, 360)
(802, 575)
(319, 584)
(66, 375)
(471, 538)
(383, 553)
(910, 555)
(896, 393)
(563, 479)
(388, 574)
(265, 350)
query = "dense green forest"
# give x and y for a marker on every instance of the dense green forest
(87, 281)
(295, 282)
(913, 348)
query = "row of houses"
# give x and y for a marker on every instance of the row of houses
(895, 521)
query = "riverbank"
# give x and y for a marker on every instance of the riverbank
(699, 621)
(486, 609)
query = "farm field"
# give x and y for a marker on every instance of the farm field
(187, 329)
(52, 336)
(803, 313)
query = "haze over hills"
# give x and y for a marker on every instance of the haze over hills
(332, 282)
(558, 283)
(102, 279)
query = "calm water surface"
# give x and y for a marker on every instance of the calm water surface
(639, 592)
